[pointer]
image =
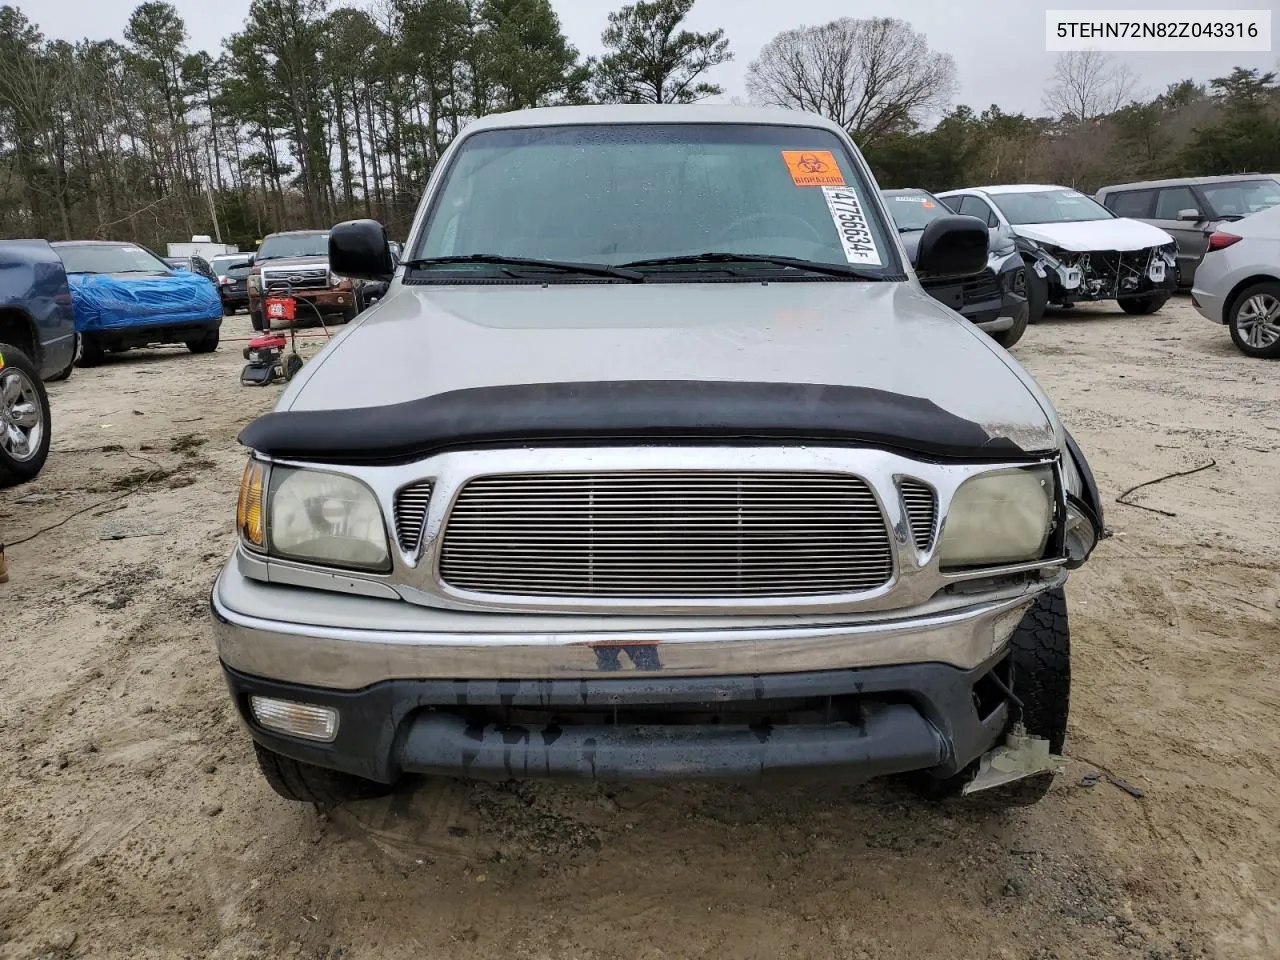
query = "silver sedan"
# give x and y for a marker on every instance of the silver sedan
(1238, 283)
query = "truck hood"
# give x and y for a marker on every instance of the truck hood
(1120, 234)
(423, 341)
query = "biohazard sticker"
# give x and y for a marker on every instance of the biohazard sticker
(813, 168)
(851, 223)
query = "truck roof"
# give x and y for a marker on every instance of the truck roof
(650, 113)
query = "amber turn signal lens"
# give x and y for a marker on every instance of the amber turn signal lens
(249, 507)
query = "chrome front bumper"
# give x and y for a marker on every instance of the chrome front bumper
(343, 642)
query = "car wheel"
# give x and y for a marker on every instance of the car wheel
(205, 344)
(255, 318)
(307, 783)
(1040, 650)
(1037, 294)
(1007, 338)
(90, 353)
(65, 372)
(25, 423)
(1144, 305)
(1254, 320)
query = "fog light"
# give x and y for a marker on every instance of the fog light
(304, 720)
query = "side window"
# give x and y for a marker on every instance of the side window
(952, 203)
(1130, 203)
(975, 207)
(1173, 199)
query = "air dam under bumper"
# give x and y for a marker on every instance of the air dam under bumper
(893, 720)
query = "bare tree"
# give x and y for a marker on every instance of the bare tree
(1088, 84)
(873, 77)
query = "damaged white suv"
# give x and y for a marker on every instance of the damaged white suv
(655, 461)
(1075, 249)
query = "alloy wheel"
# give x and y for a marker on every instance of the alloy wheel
(1259, 320)
(21, 415)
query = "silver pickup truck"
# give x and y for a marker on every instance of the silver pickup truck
(655, 461)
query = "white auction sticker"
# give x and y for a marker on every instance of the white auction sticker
(851, 223)
(1159, 31)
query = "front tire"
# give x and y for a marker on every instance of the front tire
(205, 344)
(1040, 651)
(1254, 320)
(307, 783)
(1007, 338)
(25, 421)
(1037, 294)
(91, 353)
(255, 318)
(1141, 306)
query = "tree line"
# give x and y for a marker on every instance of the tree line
(309, 115)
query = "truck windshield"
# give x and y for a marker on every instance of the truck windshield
(615, 194)
(1050, 206)
(289, 245)
(110, 258)
(913, 211)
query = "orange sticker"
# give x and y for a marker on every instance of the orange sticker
(813, 168)
(928, 204)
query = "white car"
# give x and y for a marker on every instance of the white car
(1238, 283)
(1075, 248)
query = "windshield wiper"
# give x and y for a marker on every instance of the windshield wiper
(812, 266)
(562, 266)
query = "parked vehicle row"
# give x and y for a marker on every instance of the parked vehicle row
(994, 300)
(1192, 209)
(71, 303)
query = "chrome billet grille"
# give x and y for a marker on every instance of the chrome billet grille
(667, 535)
(411, 514)
(921, 504)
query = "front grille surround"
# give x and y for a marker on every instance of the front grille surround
(416, 575)
(295, 278)
(667, 535)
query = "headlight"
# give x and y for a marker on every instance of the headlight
(327, 518)
(999, 518)
(334, 279)
(254, 282)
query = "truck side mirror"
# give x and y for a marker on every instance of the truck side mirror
(954, 246)
(359, 249)
(249, 262)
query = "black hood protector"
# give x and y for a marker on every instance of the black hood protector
(652, 411)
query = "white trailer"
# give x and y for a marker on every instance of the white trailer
(201, 246)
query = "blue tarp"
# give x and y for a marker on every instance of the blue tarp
(103, 302)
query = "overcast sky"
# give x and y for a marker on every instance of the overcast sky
(998, 45)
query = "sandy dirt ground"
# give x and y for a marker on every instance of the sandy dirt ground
(133, 821)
